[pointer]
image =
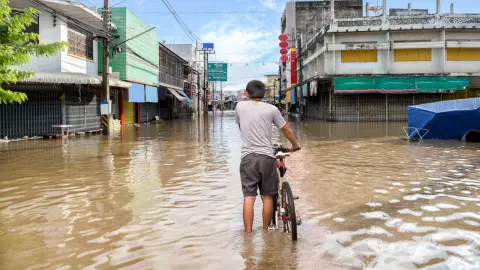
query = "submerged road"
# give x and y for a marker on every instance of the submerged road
(169, 197)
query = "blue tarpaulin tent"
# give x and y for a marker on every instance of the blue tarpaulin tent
(445, 120)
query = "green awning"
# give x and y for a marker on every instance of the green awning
(399, 84)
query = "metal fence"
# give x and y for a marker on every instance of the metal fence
(32, 118)
(369, 107)
(82, 110)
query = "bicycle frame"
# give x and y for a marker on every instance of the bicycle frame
(281, 170)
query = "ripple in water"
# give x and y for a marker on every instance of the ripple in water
(169, 197)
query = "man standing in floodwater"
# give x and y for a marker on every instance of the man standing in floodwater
(258, 168)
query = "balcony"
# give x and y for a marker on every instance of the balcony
(408, 22)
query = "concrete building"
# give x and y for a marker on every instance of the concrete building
(302, 20)
(175, 74)
(271, 86)
(65, 89)
(350, 68)
(135, 61)
(195, 60)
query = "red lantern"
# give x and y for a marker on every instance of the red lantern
(283, 37)
(284, 58)
(283, 51)
(283, 44)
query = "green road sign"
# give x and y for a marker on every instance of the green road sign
(217, 72)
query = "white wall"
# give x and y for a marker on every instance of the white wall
(48, 34)
(330, 62)
(62, 62)
(462, 66)
(360, 68)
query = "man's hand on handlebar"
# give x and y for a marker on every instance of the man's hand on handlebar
(295, 148)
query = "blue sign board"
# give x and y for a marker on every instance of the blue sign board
(151, 94)
(206, 46)
(136, 93)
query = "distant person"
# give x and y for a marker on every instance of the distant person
(258, 168)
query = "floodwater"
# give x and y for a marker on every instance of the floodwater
(169, 197)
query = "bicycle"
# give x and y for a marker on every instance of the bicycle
(283, 202)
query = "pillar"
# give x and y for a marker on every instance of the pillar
(332, 10)
(384, 7)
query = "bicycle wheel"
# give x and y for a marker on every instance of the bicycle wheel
(290, 217)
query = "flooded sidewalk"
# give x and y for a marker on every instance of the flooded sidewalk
(169, 197)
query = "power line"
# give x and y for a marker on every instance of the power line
(211, 12)
(182, 24)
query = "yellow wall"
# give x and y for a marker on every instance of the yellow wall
(359, 56)
(410, 55)
(128, 112)
(463, 54)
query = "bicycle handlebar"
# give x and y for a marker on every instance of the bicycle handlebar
(280, 148)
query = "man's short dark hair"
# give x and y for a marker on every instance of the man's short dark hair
(256, 89)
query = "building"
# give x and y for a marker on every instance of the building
(350, 69)
(271, 87)
(65, 89)
(174, 78)
(134, 60)
(301, 20)
(195, 60)
(242, 95)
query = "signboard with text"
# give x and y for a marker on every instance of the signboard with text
(217, 72)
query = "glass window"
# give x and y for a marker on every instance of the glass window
(80, 41)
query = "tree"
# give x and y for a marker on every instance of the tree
(17, 48)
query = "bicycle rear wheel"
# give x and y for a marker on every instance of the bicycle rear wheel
(290, 217)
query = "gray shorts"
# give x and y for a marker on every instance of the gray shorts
(259, 171)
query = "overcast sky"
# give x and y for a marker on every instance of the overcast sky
(247, 39)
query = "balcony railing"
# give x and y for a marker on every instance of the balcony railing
(171, 80)
(430, 21)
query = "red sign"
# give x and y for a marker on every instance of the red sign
(293, 66)
(284, 58)
(283, 44)
(283, 37)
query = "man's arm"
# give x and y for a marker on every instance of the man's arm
(291, 137)
(237, 119)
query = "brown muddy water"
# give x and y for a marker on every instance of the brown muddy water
(169, 197)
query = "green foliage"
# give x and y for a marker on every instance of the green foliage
(17, 48)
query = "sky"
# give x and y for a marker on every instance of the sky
(247, 36)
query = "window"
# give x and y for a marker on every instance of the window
(463, 54)
(80, 41)
(411, 55)
(33, 28)
(359, 56)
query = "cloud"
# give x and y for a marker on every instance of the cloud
(247, 46)
(269, 3)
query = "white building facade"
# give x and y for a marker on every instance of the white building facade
(349, 69)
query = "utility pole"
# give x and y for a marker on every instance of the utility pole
(205, 53)
(106, 61)
(205, 84)
(198, 93)
(280, 86)
(300, 75)
(221, 95)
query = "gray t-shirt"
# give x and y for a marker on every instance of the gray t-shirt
(255, 120)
